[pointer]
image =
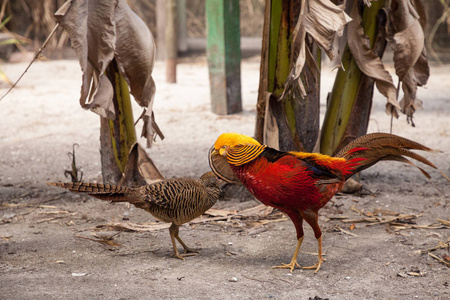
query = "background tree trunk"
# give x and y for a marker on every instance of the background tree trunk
(293, 122)
(171, 41)
(350, 102)
(117, 136)
(224, 55)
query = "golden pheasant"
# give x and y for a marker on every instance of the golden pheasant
(299, 183)
(175, 201)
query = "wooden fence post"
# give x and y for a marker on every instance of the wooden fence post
(224, 55)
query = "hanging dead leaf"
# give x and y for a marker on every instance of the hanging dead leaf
(323, 21)
(368, 62)
(101, 31)
(406, 37)
(271, 130)
(140, 169)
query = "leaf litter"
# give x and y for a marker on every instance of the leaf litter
(105, 240)
(254, 219)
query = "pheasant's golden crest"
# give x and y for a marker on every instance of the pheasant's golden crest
(233, 149)
(230, 139)
(239, 149)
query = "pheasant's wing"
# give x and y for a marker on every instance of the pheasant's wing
(173, 193)
(320, 166)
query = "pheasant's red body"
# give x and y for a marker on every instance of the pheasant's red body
(289, 183)
(299, 183)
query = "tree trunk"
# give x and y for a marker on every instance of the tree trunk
(293, 122)
(171, 41)
(224, 55)
(350, 102)
(117, 136)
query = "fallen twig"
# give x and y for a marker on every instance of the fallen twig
(56, 217)
(445, 222)
(439, 259)
(6, 238)
(441, 245)
(338, 228)
(108, 241)
(13, 205)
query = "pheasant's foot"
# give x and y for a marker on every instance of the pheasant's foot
(177, 255)
(316, 266)
(187, 252)
(190, 251)
(290, 265)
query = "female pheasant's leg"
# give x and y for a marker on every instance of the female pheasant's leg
(174, 229)
(187, 251)
(293, 262)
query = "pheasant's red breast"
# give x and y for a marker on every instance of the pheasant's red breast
(289, 180)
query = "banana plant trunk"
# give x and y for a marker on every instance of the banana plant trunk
(117, 136)
(350, 102)
(291, 123)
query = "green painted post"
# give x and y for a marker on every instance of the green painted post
(224, 55)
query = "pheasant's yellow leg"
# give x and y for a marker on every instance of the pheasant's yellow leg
(320, 257)
(293, 262)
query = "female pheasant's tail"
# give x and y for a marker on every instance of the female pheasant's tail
(105, 192)
(371, 148)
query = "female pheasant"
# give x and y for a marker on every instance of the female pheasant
(176, 201)
(299, 183)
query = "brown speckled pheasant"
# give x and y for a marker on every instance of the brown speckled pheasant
(175, 201)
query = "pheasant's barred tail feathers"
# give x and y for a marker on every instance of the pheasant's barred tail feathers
(371, 148)
(107, 192)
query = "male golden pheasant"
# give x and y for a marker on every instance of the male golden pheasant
(298, 183)
(175, 201)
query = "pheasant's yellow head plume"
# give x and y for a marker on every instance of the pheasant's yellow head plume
(218, 154)
(231, 139)
(232, 149)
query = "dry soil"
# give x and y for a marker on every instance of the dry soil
(41, 257)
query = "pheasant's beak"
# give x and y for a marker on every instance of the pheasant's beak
(219, 152)
(223, 152)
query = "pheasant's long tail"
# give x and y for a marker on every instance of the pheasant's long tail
(105, 192)
(369, 149)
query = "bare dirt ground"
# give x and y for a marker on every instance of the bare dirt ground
(41, 257)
